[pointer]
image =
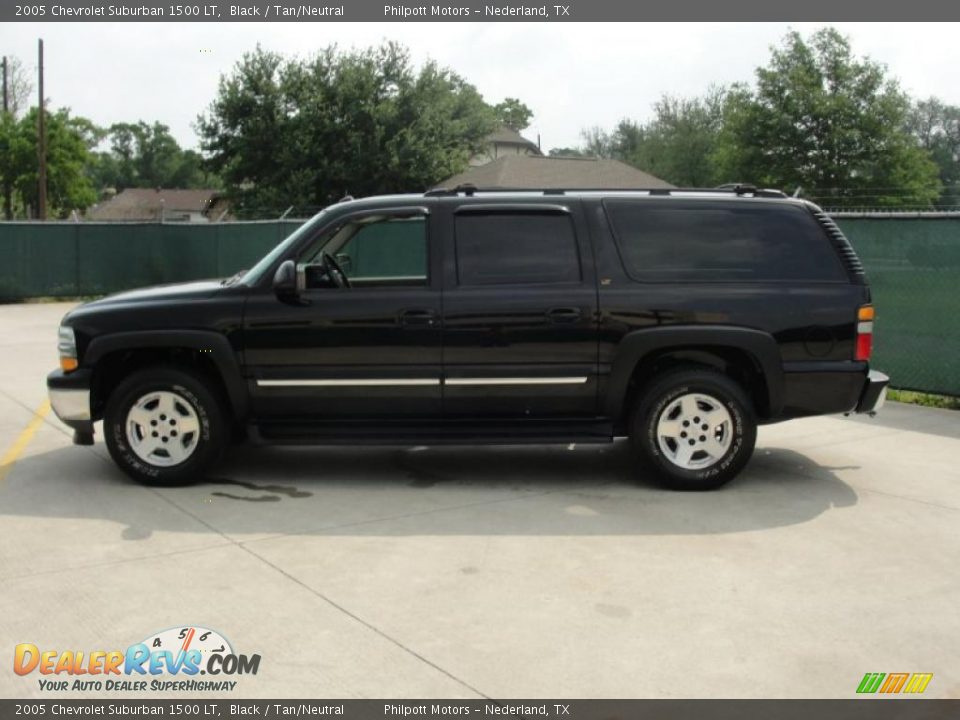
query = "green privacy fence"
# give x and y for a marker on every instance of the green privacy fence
(70, 259)
(913, 265)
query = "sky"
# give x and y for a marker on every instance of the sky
(572, 75)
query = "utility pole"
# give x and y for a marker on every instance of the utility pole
(7, 189)
(41, 146)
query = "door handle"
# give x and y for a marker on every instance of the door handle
(564, 315)
(418, 317)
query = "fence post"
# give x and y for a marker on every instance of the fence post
(76, 260)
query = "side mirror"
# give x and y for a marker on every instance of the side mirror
(285, 279)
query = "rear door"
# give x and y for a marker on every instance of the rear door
(519, 312)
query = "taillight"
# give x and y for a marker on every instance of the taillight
(864, 332)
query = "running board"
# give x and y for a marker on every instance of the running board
(450, 432)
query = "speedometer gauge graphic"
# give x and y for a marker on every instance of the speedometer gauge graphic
(183, 639)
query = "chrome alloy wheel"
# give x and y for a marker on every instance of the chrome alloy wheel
(694, 431)
(162, 428)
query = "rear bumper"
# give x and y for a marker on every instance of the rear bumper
(828, 388)
(874, 392)
(70, 400)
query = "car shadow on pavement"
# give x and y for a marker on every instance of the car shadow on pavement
(515, 490)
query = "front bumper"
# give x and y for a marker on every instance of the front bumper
(70, 400)
(874, 392)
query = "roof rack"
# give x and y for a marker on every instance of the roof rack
(738, 189)
(747, 189)
(467, 189)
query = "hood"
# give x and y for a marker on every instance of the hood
(159, 293)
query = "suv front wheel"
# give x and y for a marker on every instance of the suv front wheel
(694, 429)
(163, 426)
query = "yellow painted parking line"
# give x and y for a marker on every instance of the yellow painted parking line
(20, 444)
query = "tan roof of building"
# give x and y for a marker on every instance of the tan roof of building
(145, 203)
(508, 136)
(519, 171)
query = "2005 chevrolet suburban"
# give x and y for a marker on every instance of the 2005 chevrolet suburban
(679, 318)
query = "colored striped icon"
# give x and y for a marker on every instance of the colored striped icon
(893, 683)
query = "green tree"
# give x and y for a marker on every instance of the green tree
(19, 87)
(144, 155)
(826, 121)
(566, 152)
(9, 137)
(68, 144)
(597, 142)
(677, 144)
(937, 128)
(513, 113)
(304, 133)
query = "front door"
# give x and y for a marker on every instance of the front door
(371, 350)
(520, 312)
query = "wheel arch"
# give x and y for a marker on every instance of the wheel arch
(752, 357)
(113, 357)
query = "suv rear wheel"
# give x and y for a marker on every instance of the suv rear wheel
(694, 428)
(163, 426)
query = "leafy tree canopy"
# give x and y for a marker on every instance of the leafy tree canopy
(69, 141)
(936, 126)
(677, 144)
(567, 152)
(295, 132)
(829, 122)
(19, 87)
(818, 118)
(513, 113)
(145, 155)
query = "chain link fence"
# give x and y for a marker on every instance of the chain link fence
(912, 262)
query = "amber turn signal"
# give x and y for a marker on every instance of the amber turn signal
(68, 363)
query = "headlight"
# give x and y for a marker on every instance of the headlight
(67, 346)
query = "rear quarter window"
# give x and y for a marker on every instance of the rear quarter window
(705, 241)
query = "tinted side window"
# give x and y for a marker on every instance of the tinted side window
(372, 250)
(718, 241)
(394, 248)
(516, 248)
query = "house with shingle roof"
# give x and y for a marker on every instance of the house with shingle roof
(505, 142)
(546, 172)
(160, 205)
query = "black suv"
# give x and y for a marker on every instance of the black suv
(679, 318)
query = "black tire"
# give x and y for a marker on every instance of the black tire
(661, 395)
(211, 437)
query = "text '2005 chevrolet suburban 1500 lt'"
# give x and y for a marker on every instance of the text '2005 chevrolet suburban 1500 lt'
(679, 318)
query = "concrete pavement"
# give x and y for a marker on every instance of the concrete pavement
(502, 572)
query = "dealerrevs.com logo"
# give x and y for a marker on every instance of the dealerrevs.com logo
(170, 660)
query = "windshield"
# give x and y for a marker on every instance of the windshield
(254, 274)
